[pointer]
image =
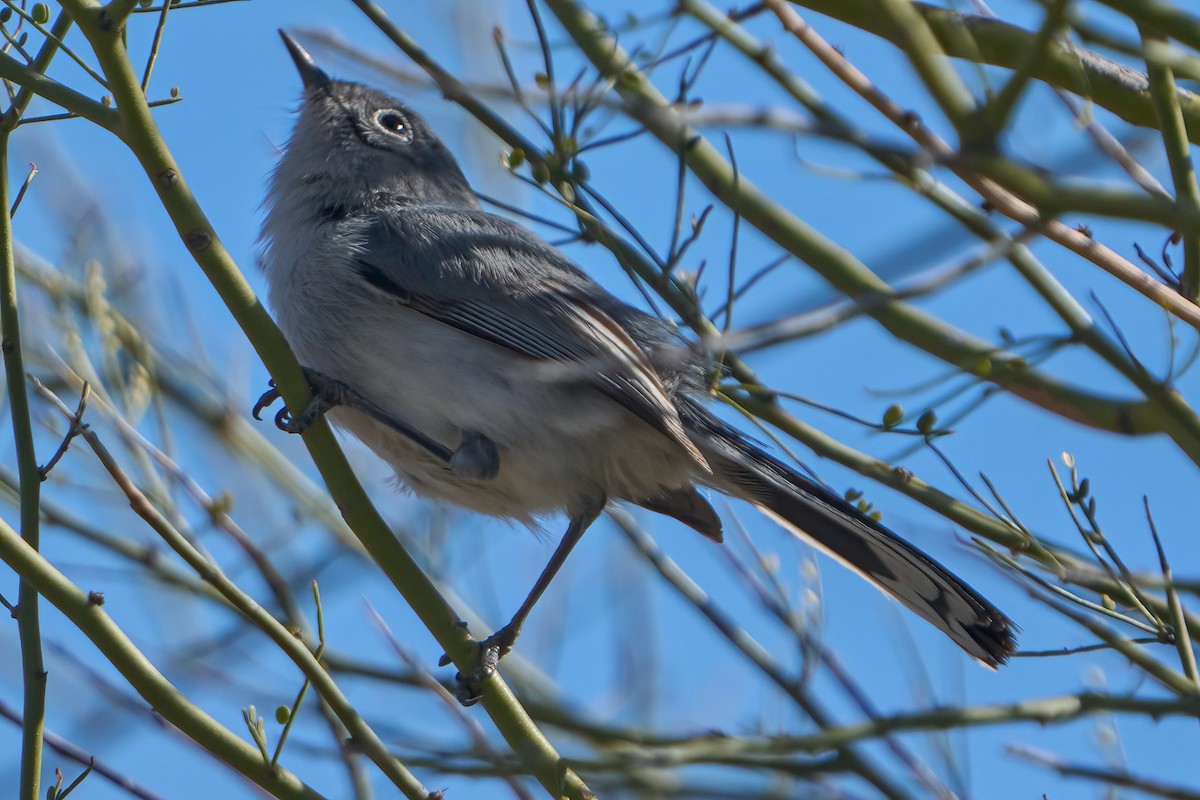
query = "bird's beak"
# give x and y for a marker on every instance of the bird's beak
(313, 76)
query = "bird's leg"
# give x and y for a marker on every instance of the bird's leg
(496, 646)
(476, 457)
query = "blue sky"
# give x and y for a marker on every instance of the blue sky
(239, 90)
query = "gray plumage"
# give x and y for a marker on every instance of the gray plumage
(386, 275)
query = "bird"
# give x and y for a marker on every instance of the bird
(491, 372)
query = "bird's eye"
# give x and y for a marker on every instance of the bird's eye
(394, 123)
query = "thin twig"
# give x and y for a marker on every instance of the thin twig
(154, 45)
(68, 749)
(73, 430)
(1110, 777)
(1183, 640)
(294, 709)
(33, 170)
(1087, 648)
(1175, 141)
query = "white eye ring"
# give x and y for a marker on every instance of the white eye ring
(395, 123)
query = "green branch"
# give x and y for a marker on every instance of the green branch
(1049, 710)
(1054, 198)
(137, 670)
(29, 474)
(913, 35)
(1164, 18)
(983, 40)
(28, 626)
(29, 78)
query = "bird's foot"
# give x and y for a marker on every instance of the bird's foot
(326, 394)
(491, 650)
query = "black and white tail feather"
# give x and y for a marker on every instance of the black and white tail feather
(839, 529)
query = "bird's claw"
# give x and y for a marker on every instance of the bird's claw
(491, 650)
(284, 419)
(470, 686)
(265, 399)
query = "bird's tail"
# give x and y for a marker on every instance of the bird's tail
(841, 530)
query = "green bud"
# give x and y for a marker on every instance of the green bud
(283, 714)
(927, 422)
(893, 415)
(40, 13)
(221, 504)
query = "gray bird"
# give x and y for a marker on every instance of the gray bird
(489, 371)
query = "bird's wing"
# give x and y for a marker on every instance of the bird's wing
(447, 265)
